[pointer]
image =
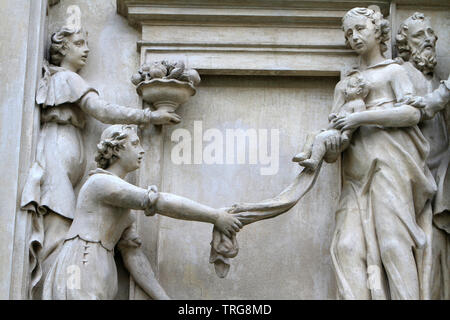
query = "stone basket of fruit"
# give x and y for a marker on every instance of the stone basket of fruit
(166, 85)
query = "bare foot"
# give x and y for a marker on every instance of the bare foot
(310, 164)
(300, 157)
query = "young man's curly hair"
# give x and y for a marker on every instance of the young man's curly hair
(113, 139)
(59, 43)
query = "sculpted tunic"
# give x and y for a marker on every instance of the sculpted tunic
(60, 160)
(102, 220)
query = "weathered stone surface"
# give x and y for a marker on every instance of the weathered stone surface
(268, 69)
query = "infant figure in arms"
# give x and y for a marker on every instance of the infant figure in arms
(315, 148)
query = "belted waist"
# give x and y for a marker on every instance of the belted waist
(64, 114)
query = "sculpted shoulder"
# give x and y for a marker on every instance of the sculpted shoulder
(340, 86)
(100, 182)
(395, 67)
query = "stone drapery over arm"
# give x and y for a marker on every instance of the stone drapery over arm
(437, 100)
(223, 248)
(60, 86)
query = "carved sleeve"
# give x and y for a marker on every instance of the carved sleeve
(119, 193)
(152, 197)
(401, 84)
(130, 238)
(437, 100)
(112, 113)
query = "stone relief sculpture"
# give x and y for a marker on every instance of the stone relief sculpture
(416, 45)
(103, 219)
(388, 122)
(383, 223)
(65, 99)
(384, 218)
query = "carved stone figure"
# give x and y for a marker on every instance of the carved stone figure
(383, 224)
(381, 247)
(65, 99)
(416, 42)
(103, 219)
(355, 92)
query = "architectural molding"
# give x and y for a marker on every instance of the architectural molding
(245, 38)
(278, 12)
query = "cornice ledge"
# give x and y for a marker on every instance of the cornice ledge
(318, 13)
(245, 47)
(421, 4)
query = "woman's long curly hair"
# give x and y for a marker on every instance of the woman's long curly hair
(113, 139)
(381, 25)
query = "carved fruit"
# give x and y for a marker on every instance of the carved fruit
(145, 68)
(176, 71)
(136, 78)
(157, 70)
(190, 75)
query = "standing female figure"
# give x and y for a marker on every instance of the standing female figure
(381, 244)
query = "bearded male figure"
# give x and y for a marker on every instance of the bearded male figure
(416, 45)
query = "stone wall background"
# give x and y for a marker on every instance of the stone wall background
(284, 258)
(21, 52)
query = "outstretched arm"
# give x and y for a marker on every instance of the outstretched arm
(117, 192)
(110, 113)
(178, 207)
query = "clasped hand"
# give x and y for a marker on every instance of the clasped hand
(227, 223)
(347, 122)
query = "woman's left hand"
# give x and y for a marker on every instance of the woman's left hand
(348, 122)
